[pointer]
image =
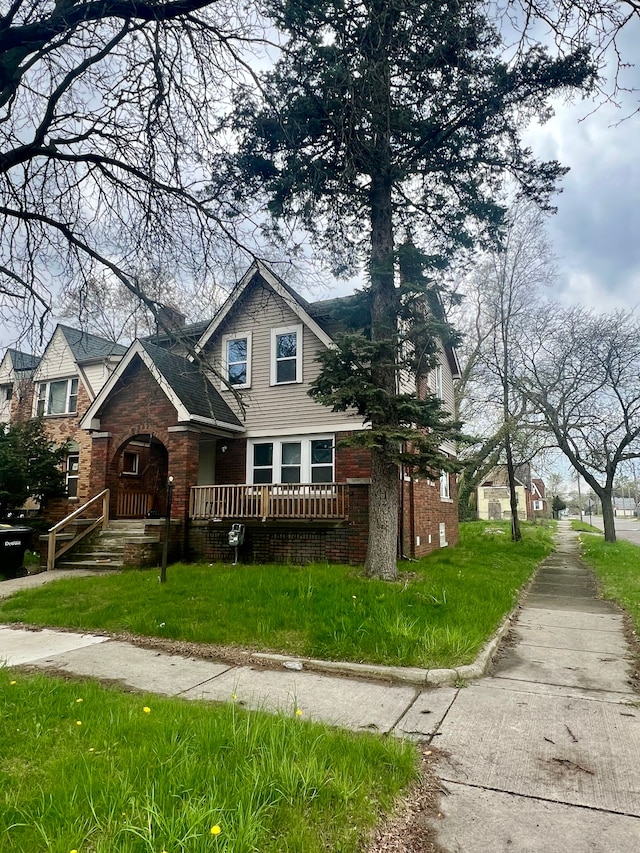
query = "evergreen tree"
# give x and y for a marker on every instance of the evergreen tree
(388, 126)
(30, 465)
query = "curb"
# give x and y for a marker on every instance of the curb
(399, 674)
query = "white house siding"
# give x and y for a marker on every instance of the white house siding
(279, 409)
(97, 374)
(57, 361)
(6, 380)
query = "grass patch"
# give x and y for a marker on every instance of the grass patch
(438, 614)
(617, 565)
(583, 527)
(85, 768)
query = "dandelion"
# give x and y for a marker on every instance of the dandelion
(215, 830)
(298, 712)
(78, 722)
(78, 701)
(13, 682)
(92, 749)
(146, 709)
(73, 851)
(234, 696)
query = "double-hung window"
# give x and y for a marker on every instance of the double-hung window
(297, 460)
(236, 355)
(72, 468)
(58, 397)
(286, 355)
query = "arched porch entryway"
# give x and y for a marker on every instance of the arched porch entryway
(142, 465)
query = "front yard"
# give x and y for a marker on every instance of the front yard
(438, 614)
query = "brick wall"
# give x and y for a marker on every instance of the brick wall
(424, 511)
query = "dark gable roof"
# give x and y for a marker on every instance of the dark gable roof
(191, 332)
(87, 347)
(190, 385)
(23, 361)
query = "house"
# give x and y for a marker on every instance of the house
(493, 495)
(539, 503)
(16, 372)
(625, 507)
(227, 416)
(59, 386)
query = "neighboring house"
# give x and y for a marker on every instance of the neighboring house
(539, 503)
(625, 507)
(59, 386)
(244, 442)
(494, 497)
(16, 371)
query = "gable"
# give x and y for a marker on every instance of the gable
(57, 360)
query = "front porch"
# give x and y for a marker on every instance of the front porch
(283, 501)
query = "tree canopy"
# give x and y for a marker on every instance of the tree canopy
(30, 465)
(108, 114)
(387, 130)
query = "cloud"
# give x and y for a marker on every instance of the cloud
(596, 232)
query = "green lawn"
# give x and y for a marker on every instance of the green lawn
(617, 565)
(438, 614)
(89, 769)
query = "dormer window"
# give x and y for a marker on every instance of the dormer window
(286, 355)
(236, 354)
(59, 397)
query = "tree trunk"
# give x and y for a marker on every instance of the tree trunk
(516, 534)
(381, 560)
(606, 499)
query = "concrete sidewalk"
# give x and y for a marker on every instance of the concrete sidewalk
(543, 756)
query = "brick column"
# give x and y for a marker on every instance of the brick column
(184, 459)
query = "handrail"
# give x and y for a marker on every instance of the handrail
(52, 553)
(282, 501)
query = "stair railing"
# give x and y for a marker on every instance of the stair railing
(52, 551)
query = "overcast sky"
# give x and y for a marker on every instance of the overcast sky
(596, 232)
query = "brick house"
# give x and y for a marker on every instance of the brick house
(244, 443)
(59, 386)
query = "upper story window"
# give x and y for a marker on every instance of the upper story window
(236, 353)
(58, 397)
(286, 355)
(6, 393)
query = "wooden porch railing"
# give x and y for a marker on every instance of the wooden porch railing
(280, 501)
(133, 504)
(53, 551)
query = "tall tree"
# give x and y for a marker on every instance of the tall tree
(108, 109)
(390, 124)
(581, 375)
(500, 298)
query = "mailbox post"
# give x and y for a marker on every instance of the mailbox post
(167, 530)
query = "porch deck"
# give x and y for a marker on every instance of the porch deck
(319, 501)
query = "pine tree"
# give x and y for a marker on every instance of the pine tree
(389, 125)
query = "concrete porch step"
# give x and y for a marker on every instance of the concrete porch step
(90, 563)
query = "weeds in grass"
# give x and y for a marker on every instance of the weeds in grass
(439, 615)
(187, 777)
(617, 565)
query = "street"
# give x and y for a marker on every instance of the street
(626, 528)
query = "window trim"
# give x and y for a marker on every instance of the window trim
(275, 333)
(69, 475)
(305, 457)
(226, 385)
(43, 395)
(136, 455)
(438, 386)
(445, 486)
